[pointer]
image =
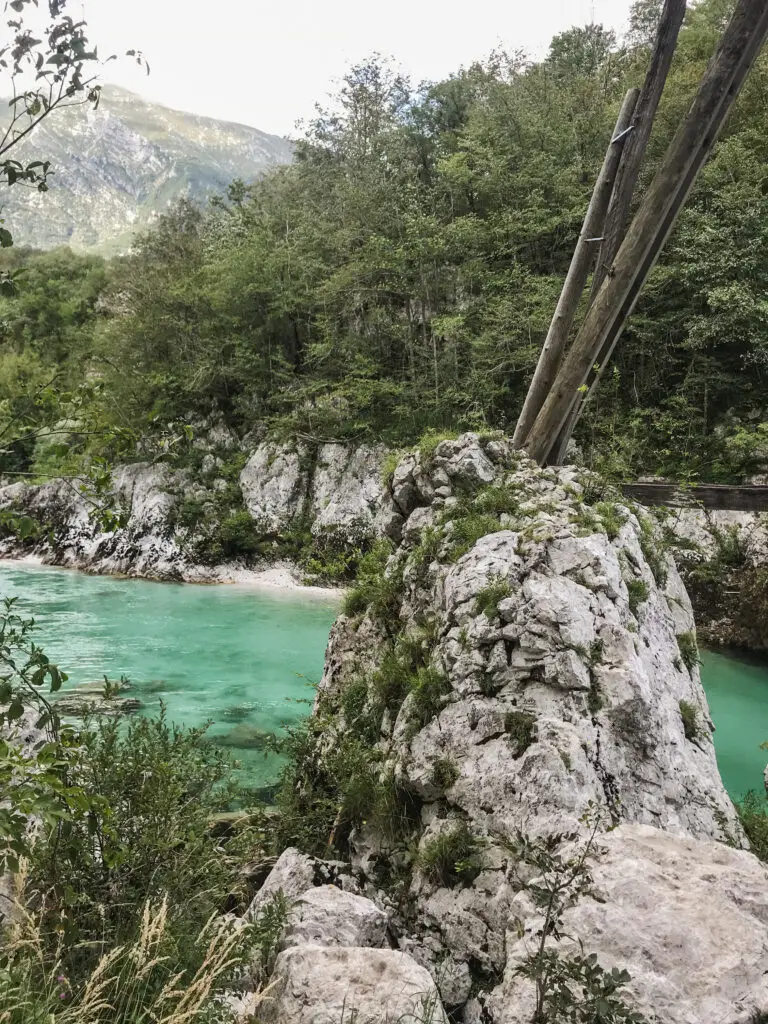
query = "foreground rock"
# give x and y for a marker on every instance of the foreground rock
(317, 985)
(687, 919)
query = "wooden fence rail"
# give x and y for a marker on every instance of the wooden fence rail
(746, 498)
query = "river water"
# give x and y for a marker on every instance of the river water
(246, 659)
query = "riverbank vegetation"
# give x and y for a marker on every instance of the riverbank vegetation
(400, 275)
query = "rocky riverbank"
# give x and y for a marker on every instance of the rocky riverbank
(292, 515)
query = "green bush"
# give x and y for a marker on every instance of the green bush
(487, 601)
(154, 788)
(689, 650)
(450, 857)
(639, 592)
(375, 591)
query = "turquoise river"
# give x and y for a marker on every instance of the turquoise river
(245, 659)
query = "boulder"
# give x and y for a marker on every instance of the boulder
(327, 916)
(325, 985)
(688, 920)
(292, 875)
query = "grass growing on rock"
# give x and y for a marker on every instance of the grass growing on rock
(445, 772)
(639, 592)
(451, 857)
(430, 686)
(375, 590)
(690, 716)
(487, 600)
(689, 650)
(753, 813)
(520, 726)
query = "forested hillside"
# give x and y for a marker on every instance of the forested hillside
(400, 276)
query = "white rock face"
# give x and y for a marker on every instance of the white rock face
(327, 916)
(321, 985)
(292, 875)
(145, 547)
(564, 686)
(340, 489)
(347, 492)
(687, 919)
(273, 485)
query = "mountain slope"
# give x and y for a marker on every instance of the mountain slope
(120, 166)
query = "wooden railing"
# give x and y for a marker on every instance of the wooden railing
(743, 498)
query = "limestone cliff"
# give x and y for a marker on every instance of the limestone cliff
(523, 663)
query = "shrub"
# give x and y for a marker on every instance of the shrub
(520, 726)
(487, 601)
(689, 650)
(450, 857)
(753, 813)
(375, 591)
(153, 788)
(639, 592)
(444, 772)
(690, 716)
(429, 687)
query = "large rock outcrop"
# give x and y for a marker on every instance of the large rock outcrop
(333, 491)
(528, 656)
(337, 490)
(723, 559)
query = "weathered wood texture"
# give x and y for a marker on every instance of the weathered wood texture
(573, 288)
(686, 156)
(715, 496)
(627, 176)
(632, 157)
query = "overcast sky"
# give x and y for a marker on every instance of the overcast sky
(267, 63)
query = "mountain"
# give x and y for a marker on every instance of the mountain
(117, 168)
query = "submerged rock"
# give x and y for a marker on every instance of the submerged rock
(95, 699)
(243, 737)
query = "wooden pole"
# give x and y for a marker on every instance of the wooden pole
(627, 176)
(578, 272)
(634, 151)
(687, 154)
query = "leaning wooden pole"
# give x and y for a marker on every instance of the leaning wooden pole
(627, 176)
(578, 272)
(686, 156)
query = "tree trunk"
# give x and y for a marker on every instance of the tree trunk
(687, 154)
(557, 336)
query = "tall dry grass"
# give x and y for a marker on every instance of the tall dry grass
(131, 984)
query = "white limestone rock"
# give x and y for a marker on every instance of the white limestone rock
(293, 874)
(326, 916)
(688, 920)
(327, 985)
(348, 493)
(274, 484)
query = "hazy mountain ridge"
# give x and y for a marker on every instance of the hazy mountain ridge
(120, 166)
